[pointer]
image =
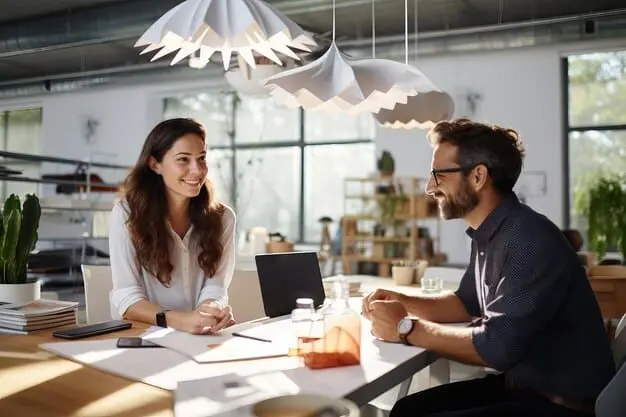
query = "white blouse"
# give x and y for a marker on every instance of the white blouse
(189, 285)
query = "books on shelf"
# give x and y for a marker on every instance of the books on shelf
(25, 318)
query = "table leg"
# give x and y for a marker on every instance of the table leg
(439, 372)
(403, 388)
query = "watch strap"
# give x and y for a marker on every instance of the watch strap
(161, 321)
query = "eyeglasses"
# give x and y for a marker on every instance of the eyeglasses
(464, 168)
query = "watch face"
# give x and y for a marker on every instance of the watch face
(405, 326)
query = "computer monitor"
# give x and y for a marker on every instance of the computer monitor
(287, 276)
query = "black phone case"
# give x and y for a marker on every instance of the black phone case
(145, 344)
(92, 329)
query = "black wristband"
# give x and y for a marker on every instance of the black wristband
(161, 321)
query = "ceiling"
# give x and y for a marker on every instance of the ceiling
(47, 38)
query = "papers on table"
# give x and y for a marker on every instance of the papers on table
(229, 387)
(217, 348)
(229, 394)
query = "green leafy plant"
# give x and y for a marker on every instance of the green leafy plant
(601, 199)
(18, 236)
(386, 164)
(388, 204)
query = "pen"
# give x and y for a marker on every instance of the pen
(260, 339)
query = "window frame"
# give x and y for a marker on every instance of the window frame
(567, 129)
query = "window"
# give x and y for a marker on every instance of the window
(596, 120)
(20, 132)
(280, 168)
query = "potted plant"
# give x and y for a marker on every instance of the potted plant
(18, 236)
(601, 200)
(386, 164)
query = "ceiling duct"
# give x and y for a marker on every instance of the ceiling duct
(85, 26)
(590, 27)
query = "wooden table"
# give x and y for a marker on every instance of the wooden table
(32, 381)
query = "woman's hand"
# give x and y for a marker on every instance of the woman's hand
(194, 322)
(225, 315)
(210, 317)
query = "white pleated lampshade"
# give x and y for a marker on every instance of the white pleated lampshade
(421, 111)
(244, 27)
(326, 83)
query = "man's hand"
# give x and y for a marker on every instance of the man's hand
(380, 295)
(385, 316)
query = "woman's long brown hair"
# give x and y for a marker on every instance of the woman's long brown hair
(146, 197)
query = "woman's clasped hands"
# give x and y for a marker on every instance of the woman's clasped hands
(210, 317)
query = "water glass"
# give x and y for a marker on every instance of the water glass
(431, 285)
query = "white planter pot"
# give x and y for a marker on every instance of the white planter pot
(20, 293)
(402, 275)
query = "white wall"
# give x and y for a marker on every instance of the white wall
(519, 88)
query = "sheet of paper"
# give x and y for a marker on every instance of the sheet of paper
(229, 395)
(216, 348)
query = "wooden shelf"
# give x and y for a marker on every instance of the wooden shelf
(384, 203)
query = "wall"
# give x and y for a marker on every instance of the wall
(519, 88)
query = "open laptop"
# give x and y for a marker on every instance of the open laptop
(287, 276)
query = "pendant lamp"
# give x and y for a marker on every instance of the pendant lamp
(244, 27)
(422, 110)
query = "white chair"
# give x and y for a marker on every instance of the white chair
(98, 283)
(244, 296)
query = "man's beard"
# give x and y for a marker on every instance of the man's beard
(458, 206)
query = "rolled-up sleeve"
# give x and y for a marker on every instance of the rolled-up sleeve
(527, 295)
(128, 286)
(467, 290)
(216, 288)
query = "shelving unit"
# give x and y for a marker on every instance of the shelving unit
(388, 219)
(80, 199)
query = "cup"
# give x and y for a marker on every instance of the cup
(431, 284)
(305, 405)
(402, 275)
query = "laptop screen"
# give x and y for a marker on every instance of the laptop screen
(285, 277)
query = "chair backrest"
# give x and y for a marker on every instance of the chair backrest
(244, 296)
(98, 283)
(621, 324)
(612, 402)
(619, 342)
(451, 276)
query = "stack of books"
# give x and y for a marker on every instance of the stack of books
(37, 315)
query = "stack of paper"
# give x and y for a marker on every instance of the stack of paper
(36, 315)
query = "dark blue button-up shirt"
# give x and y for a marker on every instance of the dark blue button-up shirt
(541, 323)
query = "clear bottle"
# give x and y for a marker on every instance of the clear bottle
(341, 342)
(303, 319)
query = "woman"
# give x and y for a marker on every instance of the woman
(171, 243)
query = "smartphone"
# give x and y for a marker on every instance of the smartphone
(92, 329)
(136, 342)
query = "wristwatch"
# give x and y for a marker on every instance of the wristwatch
(405, 327)
(161, 321)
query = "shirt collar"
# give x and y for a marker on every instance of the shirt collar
(494, 220)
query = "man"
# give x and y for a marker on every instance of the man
(535, 317)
